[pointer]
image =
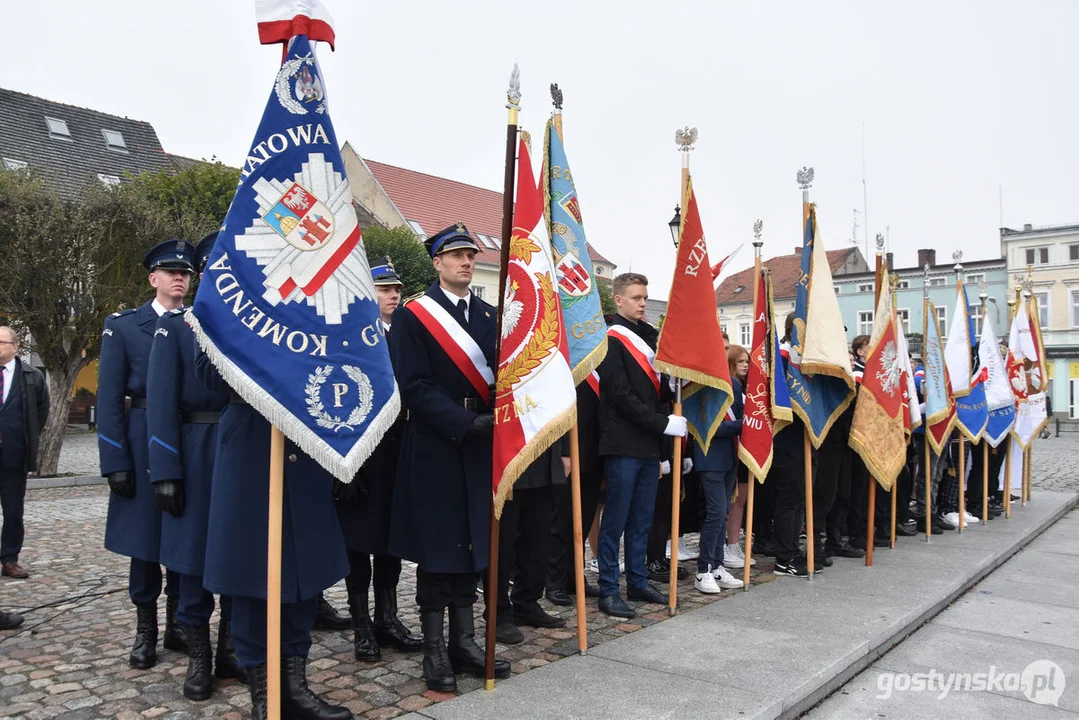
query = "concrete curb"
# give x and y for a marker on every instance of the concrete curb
(66, 481)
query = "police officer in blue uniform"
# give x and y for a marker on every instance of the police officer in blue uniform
(313, 550)
(442, 499)
(182, 424)
(133, 527)
(364, 509)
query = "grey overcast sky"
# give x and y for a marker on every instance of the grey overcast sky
(958, 99)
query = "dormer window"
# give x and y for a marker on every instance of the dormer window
(58, 128)
(14, 164)
(108, 180)
(114, 140)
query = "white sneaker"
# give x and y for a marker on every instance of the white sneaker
(951, 518)
(706, 582)
(669, 550)
(971, 519)
(734, 558)
(593, 566)
(684, 551)
(725, 580)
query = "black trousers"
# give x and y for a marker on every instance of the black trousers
(788, 474)
(826, 483)
(12, 501)
(437, 591)
(524, 535)
(387, 572)
(560, 570)
(836, 521)
(660, 531)
(764, 505)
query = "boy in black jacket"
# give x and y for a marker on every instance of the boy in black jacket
(633, 417)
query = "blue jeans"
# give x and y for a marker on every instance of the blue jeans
(718, 489)
(631, 499)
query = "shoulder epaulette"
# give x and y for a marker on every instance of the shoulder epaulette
(410, 298)
(122, 313)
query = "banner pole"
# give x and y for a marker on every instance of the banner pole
(925, 370)
(676, 496)
(1008, 479)
(273, 575)
(894, 494)
(757, 244)
(578, 538)
(928, 487)
(513, 96)
(962, 481)
(871, 511)
(807, 467)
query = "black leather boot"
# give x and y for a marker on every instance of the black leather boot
(199, 683)
(257, 686)
(327, 618)
(174, 639)
(389, 630)
(144, 651)
(465, 655)
(437, 669)
(297, 700)
(226, 664)
(820, 551)
(363, 640)
(837, 546)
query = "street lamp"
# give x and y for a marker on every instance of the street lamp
(676, 225)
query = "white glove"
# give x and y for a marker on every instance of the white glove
(687, 465)
(665, 467)
(676, 426)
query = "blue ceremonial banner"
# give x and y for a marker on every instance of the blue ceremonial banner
(939, 403)
(971, 408)
(583, 316)
(286, 309)
(704, 408)
(819, 374)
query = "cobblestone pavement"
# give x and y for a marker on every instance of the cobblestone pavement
(70, 658)
(78, 456)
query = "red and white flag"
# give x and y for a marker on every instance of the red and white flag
(535, 396)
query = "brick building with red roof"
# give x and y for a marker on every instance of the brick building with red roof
(395, 196)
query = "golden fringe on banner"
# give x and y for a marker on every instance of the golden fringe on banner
(538, 445)
(882, 449)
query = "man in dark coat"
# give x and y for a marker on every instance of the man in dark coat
(24, 406)
(363, 507)
(182, 424)
(133, 527)
(443, 354)
(634, 417)
(312, 559)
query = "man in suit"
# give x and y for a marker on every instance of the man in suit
(634, 418)
(363, 507)
(182, 422)
(443, 355)
(133, 527)
(24, 406)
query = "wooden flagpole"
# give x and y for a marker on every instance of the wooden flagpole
(1013, 306)
(757, 244)
(685, 139)
(927, 470)
(958, 255)
(893, 281)
(807, 447)
(273, 575)
(983, 295)
(513, 96)
(871, 511)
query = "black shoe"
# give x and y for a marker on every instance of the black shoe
(795, 568)
(905, 531)
(226, 665)
(858, 541)
(364, 644)
(590, 590)
(327, 618)
(837, 546)
(174, 638)
(389, 630)
(648, 593)
(297, 700)
(199, 683)
(10, 621)
(818, 563)
(560, 598)
(765, 546)
(507, 633)
(144, 651)
(437, 670)
(660, 571)
(465, 655)
(532, 615)
(615, 606)
(257, 687)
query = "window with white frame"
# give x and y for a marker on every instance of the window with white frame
(838, 290)
(1073, 253)
(942, 319)
(903, 285)
(1036, 256)
(417, 228)
(114, 140)
(480, 291)
(1043, 307)
(496, 241)
(14, 164)
(903, 315)
(865, 322)
(974, 278)
(938, 281)
(486, 241)
(745, 334)
(976, 319)
(1075, 308)
(865, 287)
(58, 128)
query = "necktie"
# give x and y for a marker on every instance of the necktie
(2, 371)
(462, 307)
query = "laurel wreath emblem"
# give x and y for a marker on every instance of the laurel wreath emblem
(284, 92)
(542, 341)
(317, 409)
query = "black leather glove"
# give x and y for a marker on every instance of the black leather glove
(169, 497)
(122, 483)
(482, 427)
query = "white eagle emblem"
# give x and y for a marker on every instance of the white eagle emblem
(888, 375)
(512, 309)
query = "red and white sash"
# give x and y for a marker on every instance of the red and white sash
(638, 350)
(455, 340)
(593, 381)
